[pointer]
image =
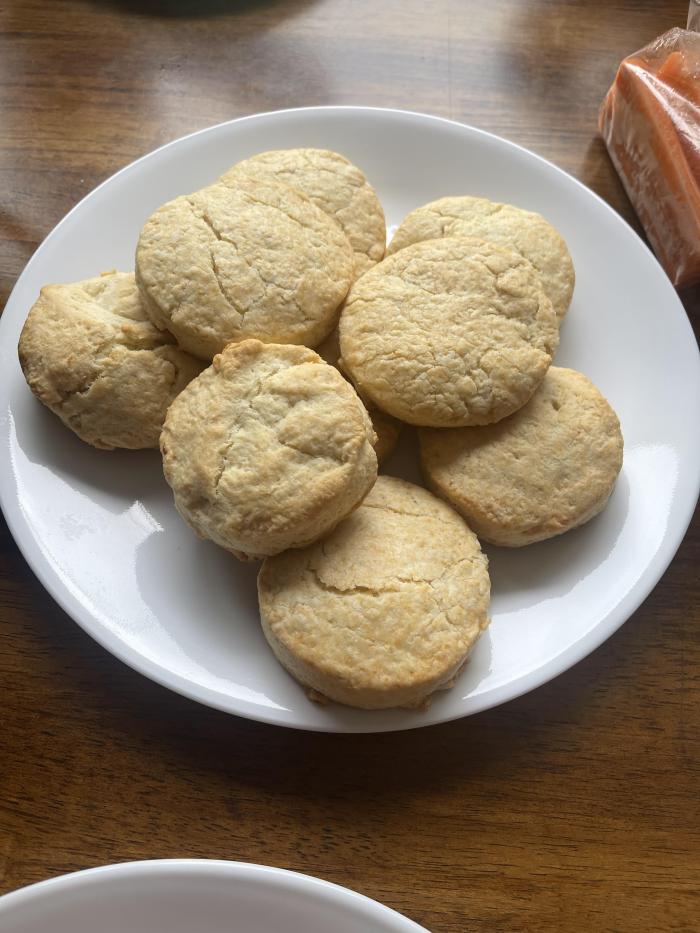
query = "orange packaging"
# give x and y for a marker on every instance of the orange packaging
(650, 121)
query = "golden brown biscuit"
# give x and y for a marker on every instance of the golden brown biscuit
(268, 449)
(548, 468)
(525, 232)
(385, 610)
(386, 428)
(254, 260)
(90, 354)
(335, 185)
(448, 332)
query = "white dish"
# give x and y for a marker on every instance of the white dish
(187, 895)
(100, 531)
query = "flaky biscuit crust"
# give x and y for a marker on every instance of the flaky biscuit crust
(254, 260)
(385, 610)
(268, 449)
(334, 185)
(525, 232)
(548, 468)
(89, 353)
(448, 332)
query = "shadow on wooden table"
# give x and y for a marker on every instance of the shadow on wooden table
(422, 820)
(597, 172)
(200, 9)
(169, 734)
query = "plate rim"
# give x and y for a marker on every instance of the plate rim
(26, 542)
(240, 870)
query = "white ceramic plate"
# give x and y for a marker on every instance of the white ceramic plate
(188, 895)
(99, 528)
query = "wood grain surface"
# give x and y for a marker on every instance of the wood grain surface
(574, 808)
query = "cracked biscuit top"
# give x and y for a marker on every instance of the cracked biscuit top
(525, 232)
(335, 185)
(268, 449)
(448, 332)
(89, 353)
(548, 468)
(254, 260)
(385, 610)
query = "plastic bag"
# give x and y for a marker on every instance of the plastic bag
(650, 121)
(694, 15)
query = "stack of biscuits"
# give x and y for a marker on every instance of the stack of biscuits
(272, 347)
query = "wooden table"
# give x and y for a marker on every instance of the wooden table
(573, 808)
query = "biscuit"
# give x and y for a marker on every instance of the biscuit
(268, 449)
(385, 610)
(387, 431)
(254, 260)
(548, 468)
(448, 332)
(90, 354)
(335, 185)
(386, 428)
(525, 232)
